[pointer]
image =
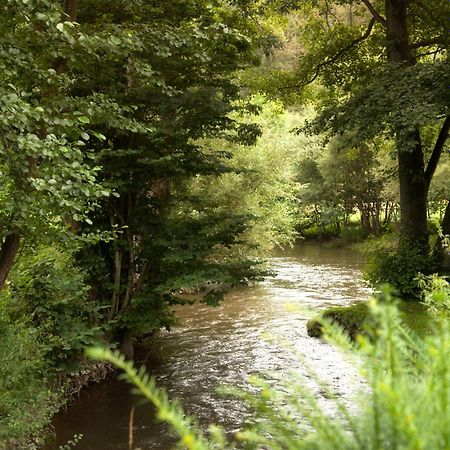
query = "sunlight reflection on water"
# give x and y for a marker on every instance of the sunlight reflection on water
(218, 346)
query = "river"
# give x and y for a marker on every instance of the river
(223, 345)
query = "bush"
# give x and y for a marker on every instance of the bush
(46, 322)
(48, 291)
(399, 266)
(353, 319)
(26, 403)
(435, 293)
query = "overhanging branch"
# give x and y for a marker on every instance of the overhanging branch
(334, 58)
(437, 151)
(426, 43)
(378, 17)
(341, 52)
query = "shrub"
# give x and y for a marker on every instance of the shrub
(48, 291)
(435, 292)
(398, 266)
(26, 403)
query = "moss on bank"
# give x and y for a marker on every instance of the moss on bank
(352, 319)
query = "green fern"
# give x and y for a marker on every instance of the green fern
(187, 429)
(404, 406)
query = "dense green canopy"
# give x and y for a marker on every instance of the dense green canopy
(154, 153)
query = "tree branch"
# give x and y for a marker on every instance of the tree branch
(437, 151)
(426, 43)
(375, 14)
(333, 58)
(341, 52)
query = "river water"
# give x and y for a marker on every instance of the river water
(220, 346)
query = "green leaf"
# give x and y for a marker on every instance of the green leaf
(115, 40)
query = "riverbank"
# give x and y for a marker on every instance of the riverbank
(312, 276)
(391, 260)
(345, 235)
(62, 391)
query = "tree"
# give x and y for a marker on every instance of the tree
(48, 167)
(169, 70)
(340, 180)
(262, 184)
(351, 176)
(382, 70)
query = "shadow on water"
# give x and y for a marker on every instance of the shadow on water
(220, 346)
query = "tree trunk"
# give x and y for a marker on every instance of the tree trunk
(376, 219)
(127, 346)
(398, 52)
(8, 253)
(131, 272)
(439, 253)
(115, 300)
(337, 227)
(413, 192)
(71, 9)
(387, 213)
(365, 219)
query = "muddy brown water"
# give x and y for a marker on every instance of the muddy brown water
(220, 346)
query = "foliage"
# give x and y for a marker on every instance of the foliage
(353, 319)
(214, 227)
(395, 99)
(48, 169)
(26, 401)
(404, 406)
(173, 79)
(376, 71)
(398, 264)
(341, 181)
(127, 120)
(47, 293)
(262, 183)
(105, 112)
(435, 292)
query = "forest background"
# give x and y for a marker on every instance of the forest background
(148, 150)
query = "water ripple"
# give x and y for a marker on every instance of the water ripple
(224, 345)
